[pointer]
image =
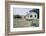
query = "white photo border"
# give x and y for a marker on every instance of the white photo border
(26, 28)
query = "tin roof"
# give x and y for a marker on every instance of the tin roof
(34, 10)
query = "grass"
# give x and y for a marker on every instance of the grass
(25, 23)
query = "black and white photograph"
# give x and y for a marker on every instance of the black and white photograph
(25, 17)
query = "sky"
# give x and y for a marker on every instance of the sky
(21, 11)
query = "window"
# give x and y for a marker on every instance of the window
(30, 15)
(35, 15)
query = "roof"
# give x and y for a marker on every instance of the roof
(34, 10)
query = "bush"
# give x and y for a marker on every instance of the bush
(17, 16)
(36, 25)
